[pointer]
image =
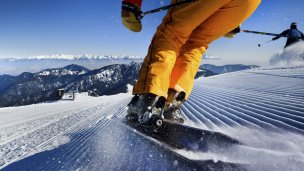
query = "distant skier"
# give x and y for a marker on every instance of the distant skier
(294, 35)
(167, 75)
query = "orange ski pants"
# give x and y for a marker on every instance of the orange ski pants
(181, 39)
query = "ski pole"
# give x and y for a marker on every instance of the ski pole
(268, 34)
(167, 7)
(265, 43)
(261, 33)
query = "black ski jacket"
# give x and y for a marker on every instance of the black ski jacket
(294, 36)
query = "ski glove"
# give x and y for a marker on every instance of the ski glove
(232, 33)
(131, 15)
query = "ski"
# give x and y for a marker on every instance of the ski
(180, 136)
(197, 164)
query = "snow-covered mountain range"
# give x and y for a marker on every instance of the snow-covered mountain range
(28, 88)
(76, 57)
(16, 66)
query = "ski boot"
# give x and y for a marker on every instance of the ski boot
(133, 111)
(146, 109)
(172, 110)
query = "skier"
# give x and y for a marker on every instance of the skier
(167, 75)
(294, 35)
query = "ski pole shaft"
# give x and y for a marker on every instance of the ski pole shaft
(265, 43)
(167, 7)
(268, 34)
(261, 33)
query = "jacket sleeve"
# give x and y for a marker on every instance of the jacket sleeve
(302, 36)
(135, 2)
(284, 33)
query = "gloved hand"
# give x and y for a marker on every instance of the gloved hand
(131, 15)
(232, 33)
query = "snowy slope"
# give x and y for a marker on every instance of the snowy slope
(27, 130)
(261, 108)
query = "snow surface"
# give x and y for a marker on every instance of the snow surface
(291, 56)
(262, 108)
(27, 130)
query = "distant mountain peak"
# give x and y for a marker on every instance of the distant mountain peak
(74, 67)
(80, 57)
(72, 57)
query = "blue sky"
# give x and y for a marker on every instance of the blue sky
(46, 27)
